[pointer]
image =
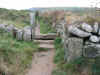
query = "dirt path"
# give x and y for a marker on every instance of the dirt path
(42, 63)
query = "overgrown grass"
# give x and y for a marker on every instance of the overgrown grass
(59, 53)
(19, 18)
(16, 54)
(45, 26)
(58, 72)
(72, 68)
(59, 57)
(15, 23)
(42, 49)
(96, 66)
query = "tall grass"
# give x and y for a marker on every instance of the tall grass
(46, 26)
(16, 54)
(59, 57)
(75, 67)
(19, 18)
(59, 53)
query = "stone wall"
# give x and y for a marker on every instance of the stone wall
(80, 40)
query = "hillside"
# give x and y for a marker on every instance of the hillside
(19, 18)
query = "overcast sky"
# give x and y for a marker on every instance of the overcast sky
(24, 4)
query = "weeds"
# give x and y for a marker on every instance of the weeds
(58, 72)
(46, 27)
(19, 18)
(59, 57)
(59, 53)
(75, 67)
(16, 54)
(42, 49)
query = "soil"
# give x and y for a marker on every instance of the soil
(42, 63)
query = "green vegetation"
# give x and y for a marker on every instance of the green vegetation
(19, 18)
(15, 55)
(58, 72)
(59, 57)
(72, 68)
(59, 53)
(96, 67)
(42, 49)
(46, 26)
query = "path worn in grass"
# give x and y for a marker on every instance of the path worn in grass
(42, 63)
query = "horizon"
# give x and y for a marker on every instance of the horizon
(42, 8)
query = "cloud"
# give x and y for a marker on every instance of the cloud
(24, 4)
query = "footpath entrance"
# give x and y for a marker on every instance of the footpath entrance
(42, 63)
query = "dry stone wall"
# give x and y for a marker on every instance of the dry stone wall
(80, 40)
(20, 34)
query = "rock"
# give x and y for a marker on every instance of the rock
(10, 28)
(45, 37)
(94, 39)
(19, 34)
(2, 26)
(99, 32)
(75, 31)
(74, 49)
(95, 27)
(87, 27)
(15, 32)
(27, 36)
(91, 51)
(27, 27)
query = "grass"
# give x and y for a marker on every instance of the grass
(72, 68)
(96, 67)
(59, 57)
(19, 18)
(59, 53)
(17, 24)
(15, 55)
(46, 27)
(42, 49)
(58, 72)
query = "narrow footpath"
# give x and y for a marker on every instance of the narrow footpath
(42, 63)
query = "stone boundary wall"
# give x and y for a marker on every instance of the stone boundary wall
(80, 40)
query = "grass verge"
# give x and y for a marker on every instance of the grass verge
(15, 56)
(76, 67)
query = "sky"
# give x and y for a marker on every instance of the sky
(25, 4)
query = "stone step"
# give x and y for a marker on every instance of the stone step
(45, 37)
(49, 46)
(45, 41)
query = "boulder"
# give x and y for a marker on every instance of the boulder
(27, 27)
(74, 50)
(19, 34)
(2, 26)
(27, 36)
(10, 28)
(95, 27)
(94, 39)
(87, 27)
(75, 31)
(91, 51)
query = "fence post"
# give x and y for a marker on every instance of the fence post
(33, 24)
